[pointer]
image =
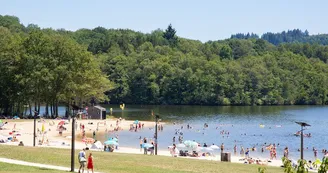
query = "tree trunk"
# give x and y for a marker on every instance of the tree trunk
(35, 109)
(52, 110)
(57, 107)
(39, 105)
(18, 110)
(30, 108)
(47, 111)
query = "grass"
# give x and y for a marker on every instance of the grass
(124, 163)
(12, 168)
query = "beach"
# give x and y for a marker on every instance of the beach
(49, 135)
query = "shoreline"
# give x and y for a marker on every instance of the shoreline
(25, 131)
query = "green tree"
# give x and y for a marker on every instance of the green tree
(170, 36)
(226, 52)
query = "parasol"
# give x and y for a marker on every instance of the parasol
(146, 145)
(110, 142)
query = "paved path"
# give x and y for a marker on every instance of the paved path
(19, 162)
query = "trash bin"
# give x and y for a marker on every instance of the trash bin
(225, 157)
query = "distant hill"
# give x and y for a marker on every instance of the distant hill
(291, 36)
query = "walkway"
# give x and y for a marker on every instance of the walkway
(19, 162)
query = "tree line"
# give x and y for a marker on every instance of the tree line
(290, 36)
(47, 66)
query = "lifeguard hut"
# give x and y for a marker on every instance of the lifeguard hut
(97, 112)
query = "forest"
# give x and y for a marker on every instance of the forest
(291, 36)
(44, 66)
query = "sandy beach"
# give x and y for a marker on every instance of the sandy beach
(23, 130)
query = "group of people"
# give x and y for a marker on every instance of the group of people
(145, 148)
(136, 127)
(83, 161)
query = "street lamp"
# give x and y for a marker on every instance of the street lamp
(75, 108)
(156, 133)
(34, 133)
(302, 124)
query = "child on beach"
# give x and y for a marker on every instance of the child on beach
(235, 149)
(90, 163)
(247, 153)
(242, 151)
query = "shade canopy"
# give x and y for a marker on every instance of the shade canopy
(146, 145)
(303, 124)
(110, 142)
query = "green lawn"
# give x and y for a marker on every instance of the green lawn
(123, 163)
(12, 168)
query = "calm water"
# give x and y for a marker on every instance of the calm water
(279, 127)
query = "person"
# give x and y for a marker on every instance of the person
(235, 149)
(242, 151)
(141, 144)
(145, 149)
(315, 153)
(274, 153)
(94, 135)
(82, 160)
(222, 147)
(151, 149)
(174, 140)
(21, 143)
(247, 153)
(286, 152)
(90, 162)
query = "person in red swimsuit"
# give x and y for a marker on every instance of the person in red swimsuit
(90, 163)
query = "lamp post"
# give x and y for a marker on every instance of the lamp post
(302, 124)
(156, 133)
(75, 108)
(34, 131)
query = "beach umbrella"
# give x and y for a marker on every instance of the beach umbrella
(110, 142)
(88, 140)
(3, 137)
(146, 145)
(136, 122)
(191, 144)
(51, 123)
(204, 149)
(113, 139)
(61, 123)
(214, 147)
(181, 146)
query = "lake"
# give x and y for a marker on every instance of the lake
(279, 126)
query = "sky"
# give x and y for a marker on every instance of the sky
(194, 19)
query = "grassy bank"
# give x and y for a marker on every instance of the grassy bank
(124, 163)
(12, 168)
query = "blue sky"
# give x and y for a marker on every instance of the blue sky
(195, 19)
